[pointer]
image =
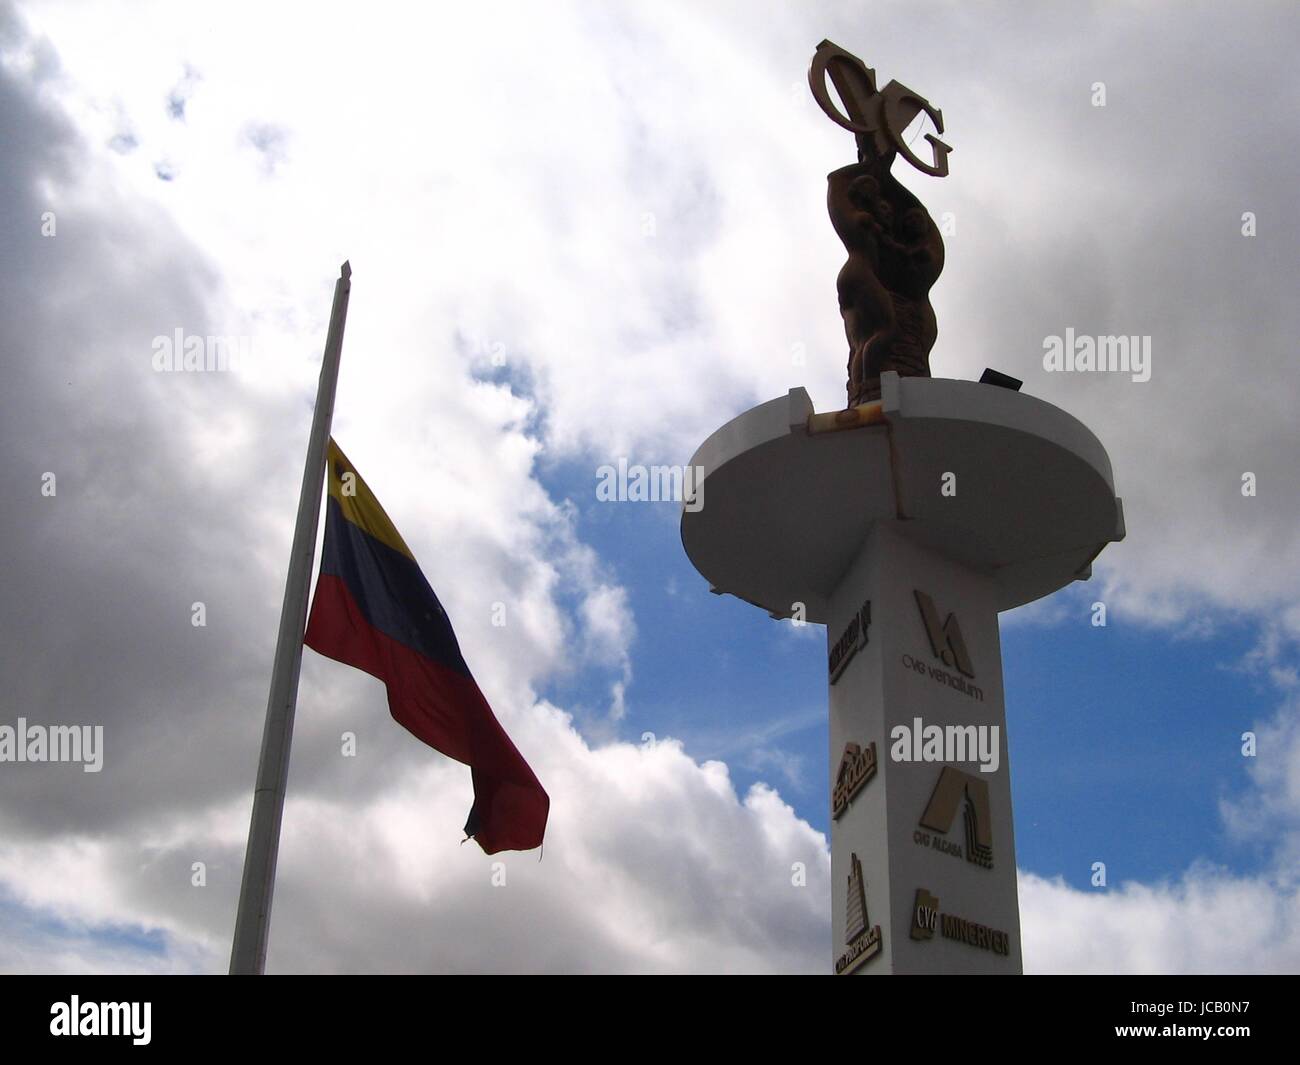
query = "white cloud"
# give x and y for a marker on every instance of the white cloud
(652, 862)
(1208, 922)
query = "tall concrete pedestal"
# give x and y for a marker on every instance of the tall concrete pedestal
(905, 527)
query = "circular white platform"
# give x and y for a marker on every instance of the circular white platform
(785, 510)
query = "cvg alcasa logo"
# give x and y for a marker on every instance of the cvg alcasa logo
(945, 637)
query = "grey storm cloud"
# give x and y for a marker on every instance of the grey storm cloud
(104, 572)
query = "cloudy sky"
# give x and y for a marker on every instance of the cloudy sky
(583, 232)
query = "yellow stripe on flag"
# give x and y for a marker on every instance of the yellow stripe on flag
(358, 503)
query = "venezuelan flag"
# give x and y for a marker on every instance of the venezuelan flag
(374, 610)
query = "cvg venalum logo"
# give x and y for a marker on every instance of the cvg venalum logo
(945, 637)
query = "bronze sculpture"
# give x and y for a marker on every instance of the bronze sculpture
(895, 249)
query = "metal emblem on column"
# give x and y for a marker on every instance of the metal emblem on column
(856, 767)
(863, 941)
(953, 785)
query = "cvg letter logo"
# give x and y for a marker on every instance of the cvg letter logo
(882, 115)
(945, 638)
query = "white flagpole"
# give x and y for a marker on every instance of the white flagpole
(253, 920)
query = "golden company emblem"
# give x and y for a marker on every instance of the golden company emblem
(925, 915)
(946, 640)
(856, 767)
(954, 785)
(851, 641)
(860, 936)
(926, 920)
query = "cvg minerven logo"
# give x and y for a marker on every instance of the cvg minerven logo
(945, 637)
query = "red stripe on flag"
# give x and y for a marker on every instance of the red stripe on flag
(443, 708)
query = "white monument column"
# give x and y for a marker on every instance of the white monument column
(905, 526)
